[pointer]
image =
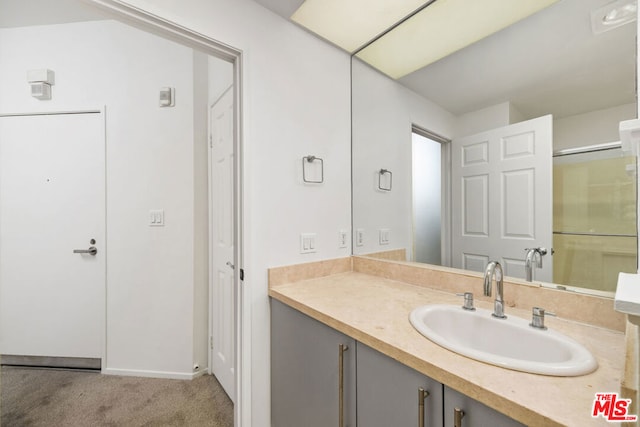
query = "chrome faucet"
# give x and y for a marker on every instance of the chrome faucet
(533, 255)
(494, 269)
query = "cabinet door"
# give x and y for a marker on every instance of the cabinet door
(389, 393)
(475, 413)
(305, 366)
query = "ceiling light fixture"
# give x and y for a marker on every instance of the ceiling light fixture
(352, 24)
(442, 28)
(613, 15)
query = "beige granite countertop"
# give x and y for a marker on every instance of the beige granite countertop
(375, 311)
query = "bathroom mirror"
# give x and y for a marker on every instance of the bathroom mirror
(555, 63)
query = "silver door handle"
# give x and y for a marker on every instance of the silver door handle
(91, 251)
(233, 267)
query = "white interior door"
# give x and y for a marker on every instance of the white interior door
(222, 272)
(52, 201)
(502, 197)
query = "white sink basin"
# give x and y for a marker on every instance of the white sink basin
(509, 343)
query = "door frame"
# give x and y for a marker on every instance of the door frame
(148, 22)
(445, 190)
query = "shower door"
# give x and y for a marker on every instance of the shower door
(52, 213)
(594, 218)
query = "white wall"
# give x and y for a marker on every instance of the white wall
(492, 117)
(150, 159)
(296, 102)
(220, 76)
(487, 118)
(595, 127)
(384, 111)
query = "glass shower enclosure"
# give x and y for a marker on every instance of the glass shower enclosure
(594, 217)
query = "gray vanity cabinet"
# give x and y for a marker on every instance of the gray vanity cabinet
(310, 361)
(475, 413)
(392, 394)
(306, 359)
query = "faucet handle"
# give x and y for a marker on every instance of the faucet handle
(537, 317)
(468, 301)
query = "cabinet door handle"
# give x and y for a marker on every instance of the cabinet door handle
(422, 395)
(341, 349)
(458, 414)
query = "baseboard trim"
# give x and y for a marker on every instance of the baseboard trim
(153, 374)
(200, 373)
(51, 362)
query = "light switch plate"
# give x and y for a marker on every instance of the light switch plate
(383, 235)
(156, 218)
(307, 243)
(360, 237)
(167, 97)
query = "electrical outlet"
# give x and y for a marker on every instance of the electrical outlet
(307, 243)
(342, 239)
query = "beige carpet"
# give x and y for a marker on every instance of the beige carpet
(45, 397)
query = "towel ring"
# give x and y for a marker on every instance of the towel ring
(309, 160)
(382, 173)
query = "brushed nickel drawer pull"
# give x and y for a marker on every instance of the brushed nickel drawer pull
(422, 395)
(341, 349)
(458, 415)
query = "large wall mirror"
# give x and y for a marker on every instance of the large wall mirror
(507, 145)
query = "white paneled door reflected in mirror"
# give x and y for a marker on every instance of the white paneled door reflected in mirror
(558, 68)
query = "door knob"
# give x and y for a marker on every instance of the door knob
(91, 251)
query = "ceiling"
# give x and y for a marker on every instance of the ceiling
(25, 13)
(550, 62)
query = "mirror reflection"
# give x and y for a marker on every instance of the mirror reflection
(504, 150)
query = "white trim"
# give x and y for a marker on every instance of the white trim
(153, 374)
(52, 113)
(446, 204)
(154, 24)
(103, 361)
(146, 21)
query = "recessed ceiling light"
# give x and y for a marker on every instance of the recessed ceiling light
(442, 28)
(613, 15)
(351, 24)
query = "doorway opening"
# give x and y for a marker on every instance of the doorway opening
(236, 320)
(162, 191)
(429, 196)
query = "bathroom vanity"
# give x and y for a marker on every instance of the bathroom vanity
(344, 353)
